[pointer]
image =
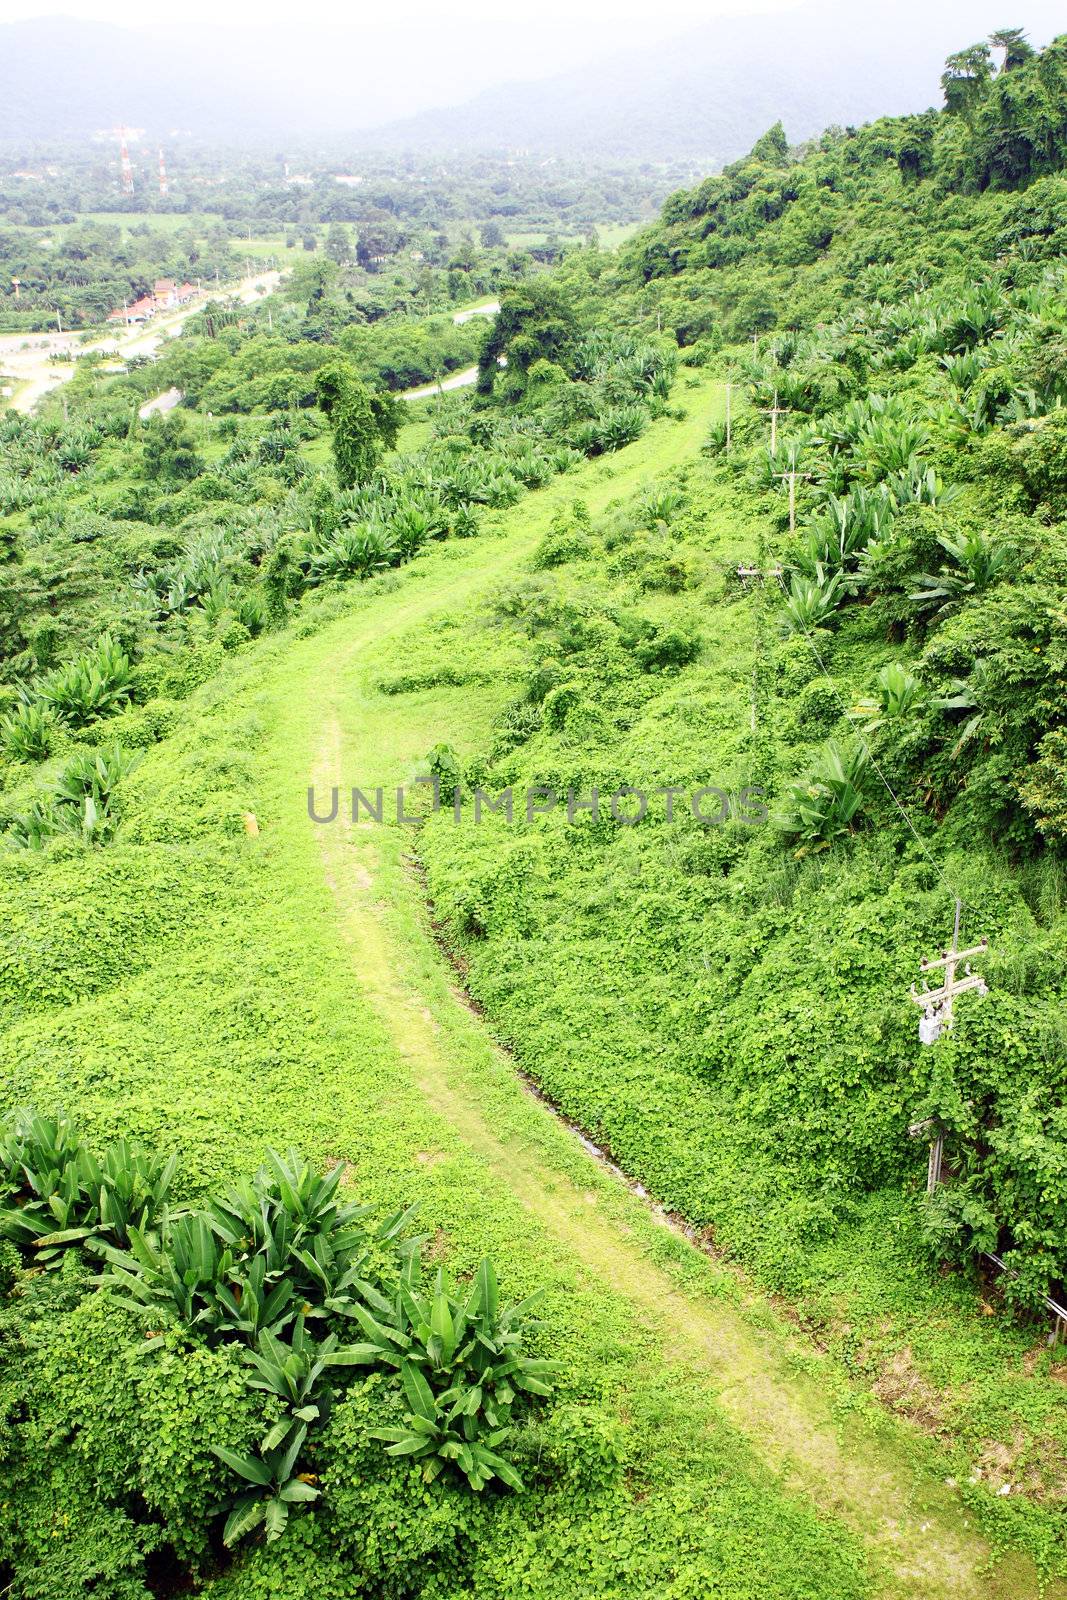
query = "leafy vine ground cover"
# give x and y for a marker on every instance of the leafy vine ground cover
(650, 1486)
(189, 958)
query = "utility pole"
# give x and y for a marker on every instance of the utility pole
(774, 412)
(937, 1018)
(792, 475)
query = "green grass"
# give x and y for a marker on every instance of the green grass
(610, 234)
(215, 993)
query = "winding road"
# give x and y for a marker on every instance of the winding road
(26, 359)
(457, 380)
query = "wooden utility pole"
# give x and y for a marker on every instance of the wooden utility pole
(792, 475)
(937, 1018)
(774, 412)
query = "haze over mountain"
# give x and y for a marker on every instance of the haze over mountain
(710, 92)
(705, 94)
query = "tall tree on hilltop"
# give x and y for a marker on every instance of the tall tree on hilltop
(1015, 45)
(966, 79)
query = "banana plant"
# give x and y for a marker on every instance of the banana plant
(180, 1272)
(291, 1372)
(26, 733)
(461, 1363)
(978, 561)
(813, 602)
(898, 692)
(90, 686)
(59, 1194)
(822, 807)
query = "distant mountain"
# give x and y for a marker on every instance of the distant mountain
(710, 93)
(63, 79)
(706, 95)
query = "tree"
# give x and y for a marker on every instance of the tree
(966, 79)
(379, 236)
(772, 148)
(363, 424)
(1015, 45)
(536, 322)
(169, 451)
(389, 412)
(492, 235)
(338, 243)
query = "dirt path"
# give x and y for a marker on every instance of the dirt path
(765, 1377)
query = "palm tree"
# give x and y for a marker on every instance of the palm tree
(1015, 45)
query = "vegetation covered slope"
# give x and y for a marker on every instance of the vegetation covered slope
(720, 999)
(223, 1028)
(726, 1008)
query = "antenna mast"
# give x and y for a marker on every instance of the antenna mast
(125, 163)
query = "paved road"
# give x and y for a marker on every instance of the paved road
(489, 309)
(458, 380)
(162, 402)
(26, 358)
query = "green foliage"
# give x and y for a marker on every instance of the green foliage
(362, 426)
(824, 805)
(80, 804)
(56, 1193)
(278, 1249)
(353, 551)
(812, 602)
(667, 649)
(462, 1366)
(897, 693)
(728, 1017)
(445, 770)
(536, 323)
(89, 687)
(26, 733)
(169, 451)
(253, 1268)
(978, 561)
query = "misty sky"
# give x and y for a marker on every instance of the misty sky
(392, 61)
(602, 22)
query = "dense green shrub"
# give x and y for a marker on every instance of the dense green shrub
(275, 1269)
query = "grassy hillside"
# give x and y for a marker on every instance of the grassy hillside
(776, 1367)
(725, 1008)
